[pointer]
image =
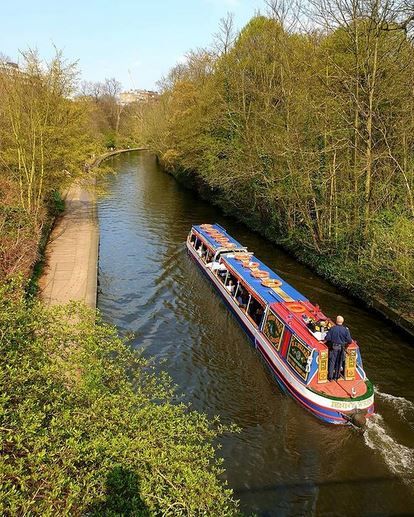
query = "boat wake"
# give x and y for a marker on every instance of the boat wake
(403, 406)
(399, 458)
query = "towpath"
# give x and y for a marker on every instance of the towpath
(72, 252)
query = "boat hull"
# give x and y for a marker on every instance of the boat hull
(321, 407)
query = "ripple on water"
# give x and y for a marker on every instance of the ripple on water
(398, 457)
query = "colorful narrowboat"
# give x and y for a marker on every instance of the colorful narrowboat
(285, 327)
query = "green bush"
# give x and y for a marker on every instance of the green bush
(55, 203)
(88, 428)
(110, 139)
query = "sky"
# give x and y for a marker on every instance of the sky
(137, 42)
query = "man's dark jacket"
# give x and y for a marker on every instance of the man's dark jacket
(339, 335)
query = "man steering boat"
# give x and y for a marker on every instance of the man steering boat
(339, 338)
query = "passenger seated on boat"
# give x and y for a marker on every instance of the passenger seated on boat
(234, 280)
(210, 262)
(242, 298)
(200, 250)
(222, 273)
(309, 322)
(218, 267)
(257, 315)
(255, 311)
(230, 286)
(318, 328)
(323, 325)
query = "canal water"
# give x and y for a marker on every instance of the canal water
(284, 461)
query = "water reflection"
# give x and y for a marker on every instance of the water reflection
(284, 461)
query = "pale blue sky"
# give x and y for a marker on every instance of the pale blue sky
(111, 37)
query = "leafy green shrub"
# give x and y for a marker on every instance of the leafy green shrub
(88, 428)
(55, 203)
(110, 139)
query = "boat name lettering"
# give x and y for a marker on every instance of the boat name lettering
(336, 404)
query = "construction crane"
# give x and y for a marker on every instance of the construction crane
(132, 81)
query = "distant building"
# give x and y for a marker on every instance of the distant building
(137, 96)
(9, 66)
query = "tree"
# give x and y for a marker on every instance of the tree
(105, 97)
(44, 133)
(306, 135)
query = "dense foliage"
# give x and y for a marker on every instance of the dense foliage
(87, 428)
(45, 138)
(307, 136)
(86, 425)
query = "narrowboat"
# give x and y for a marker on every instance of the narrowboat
(285, 328)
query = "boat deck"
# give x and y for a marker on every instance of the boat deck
(340, 388)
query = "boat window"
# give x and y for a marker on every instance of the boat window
(193, 239)
(218, 268)
(222, 273)
(201, 250)
(299, 355)
(209, 256)
(231, 283)
(242, 296)
(273, 329)
(204, 255)
(255, 310)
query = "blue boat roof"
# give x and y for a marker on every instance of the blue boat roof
(284, 293)
(210, 239)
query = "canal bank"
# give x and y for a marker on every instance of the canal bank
(329, 270)
(97, 161)
(72, 251)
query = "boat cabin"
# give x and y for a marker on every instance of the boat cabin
(273, 310)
